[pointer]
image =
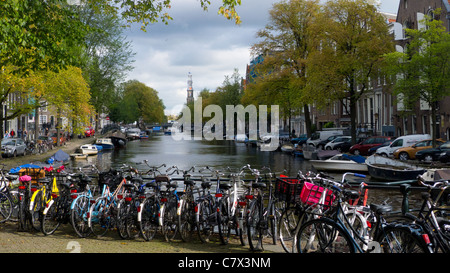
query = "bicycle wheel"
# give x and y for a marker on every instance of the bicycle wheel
(186, 224)
(399, 239)
(206, 219)
(287, 226)
(100, 217)
(241, 220)
(23, 215)
(169, 220)
(50, 223)
(36, 208)
(148, 218)
(6, 207)
(78, 217)
(123, 210)
(254, 226)
(323, 236)
(224, 221)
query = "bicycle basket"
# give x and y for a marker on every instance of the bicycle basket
(288, 189)
(311, 194)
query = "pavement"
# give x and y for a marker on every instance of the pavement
(64, 240)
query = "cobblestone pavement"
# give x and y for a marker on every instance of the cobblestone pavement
(65, 241)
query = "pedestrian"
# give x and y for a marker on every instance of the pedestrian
(24, 134)
(6, 134)
(12, 133)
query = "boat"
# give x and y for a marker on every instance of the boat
(311, 153)
(88, 149)
(78, 156)
(106, 143)
(143, 135)
(287, 148)
(436, 175)
(384, 168)
(341, 163)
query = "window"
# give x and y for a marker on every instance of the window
(397, 143)
(42, 119)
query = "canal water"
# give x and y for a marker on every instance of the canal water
(220, 155)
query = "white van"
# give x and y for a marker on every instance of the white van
(318, 136)
(400, 142)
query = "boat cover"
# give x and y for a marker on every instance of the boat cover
(356, 158)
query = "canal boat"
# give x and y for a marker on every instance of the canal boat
(288, 148)
(88, 149)
(105, 142)
(384, 168)
(341, 163)
(78, 156)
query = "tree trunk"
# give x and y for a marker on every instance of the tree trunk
(307, 120)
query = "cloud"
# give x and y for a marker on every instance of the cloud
(196, 41)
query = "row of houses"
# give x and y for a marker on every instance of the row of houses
(378, 111)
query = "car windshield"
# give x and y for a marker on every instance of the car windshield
(446, 145)
(8, 142)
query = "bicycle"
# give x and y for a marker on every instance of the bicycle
(207, 205)
(57, 211)
(149, 208)
(168, 219)
(40, 198)
(102, 215)
(186, 207)
(332, 231)
(8, 201)
(81, 201)
(432, 216)
(262, 214)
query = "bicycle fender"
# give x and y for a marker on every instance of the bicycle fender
(48, 206)
(197, 213)
(33, 197)
(161, 213)
(139, 215)
(180, 205)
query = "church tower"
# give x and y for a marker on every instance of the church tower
(190, 90)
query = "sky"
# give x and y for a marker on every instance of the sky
(202, 43)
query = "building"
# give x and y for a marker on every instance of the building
(418, 120)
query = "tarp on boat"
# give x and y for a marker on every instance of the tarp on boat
(356, 158)
(25, 166)
(59, 156)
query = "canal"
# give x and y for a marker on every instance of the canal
(220, 155)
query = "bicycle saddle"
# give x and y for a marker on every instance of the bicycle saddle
(162, 178)
(225, 186)
(380, 209)
(259, 185)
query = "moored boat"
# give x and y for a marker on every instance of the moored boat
(88, 149)
(383, 168)
(106, 143)
(341, 163)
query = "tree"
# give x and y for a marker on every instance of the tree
(353, 37)
(68, 92)
(285, 47)
(39, 35)
(422, 71)
(138, 103)
(152, 11)
(108, 56)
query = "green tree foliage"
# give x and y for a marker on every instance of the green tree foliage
(38, 35)
(422, 71)
(285, 48)
(137, 103)
(352, 38)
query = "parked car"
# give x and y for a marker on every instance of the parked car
(319, 136)
(13, 147)
(321, 144)
(300, 140)
(401, 142)
(410, 152)
(373, 141)
(62, 138)
(89, 131)
(332, 144)
(433, 154)
(374, 149)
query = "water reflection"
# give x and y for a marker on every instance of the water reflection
(217, 154)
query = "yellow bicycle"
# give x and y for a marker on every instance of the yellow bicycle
(40, 199)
